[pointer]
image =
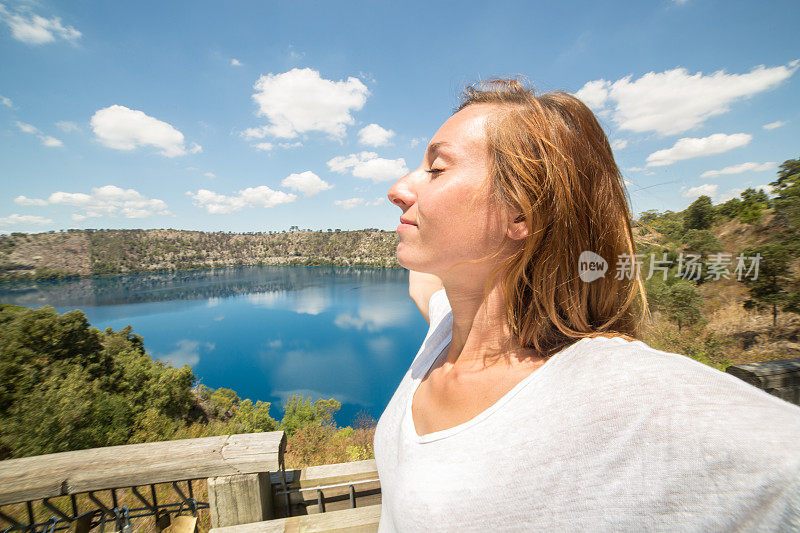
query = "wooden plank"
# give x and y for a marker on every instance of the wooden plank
(768, 374)
(359, 520)
(46, 476)
(313, 476)
(789, 394)
(240, 499)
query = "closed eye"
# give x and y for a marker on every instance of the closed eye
(435, 170)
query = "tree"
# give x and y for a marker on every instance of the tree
(729, 209)
(657, 293)
(67, 386)
(787, 190)
(299, 412)
(684, 304)
(754, 202)
(772, 285)
(701, 241)
(699, 215)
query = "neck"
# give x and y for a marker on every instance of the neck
(481, 335)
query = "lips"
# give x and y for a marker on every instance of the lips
(405, 221)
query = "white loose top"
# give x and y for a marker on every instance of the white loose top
(607, 435)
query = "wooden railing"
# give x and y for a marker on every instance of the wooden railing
(248, 487)
(779, 378)
(245, 475)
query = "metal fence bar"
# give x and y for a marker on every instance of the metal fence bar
(61, 521)
(321, 501)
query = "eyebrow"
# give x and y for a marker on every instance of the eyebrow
(435, 148)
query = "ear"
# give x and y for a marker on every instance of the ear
(517, 228)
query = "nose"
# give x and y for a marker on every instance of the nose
(402, 192)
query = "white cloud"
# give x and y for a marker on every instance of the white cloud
(122, 128)
(108, 200)
(381, 345)
(295, 56)
(235, 62)
(67, 126)
(24, 200)
(688, 147)
(218, 204)
(31, 28)
(6, 101)
(266, 299)
(635, 169)
(33, 130)
(210, 175)
(619, 144)
(51, 141)
(350, 203)
(78, 217)
(25, 219)
(371, 318)
(368, 165)
(377, 201)
(27, 128)
(416, 140)
(290, 145)
(255, 133)
(675, 101)
(374, 135)
(740, 168)
(187, 353)
(301, 101)
(306, 182)
(594, 93)
(706, 189)
(311, 301)
(264, 147)
(773, 125)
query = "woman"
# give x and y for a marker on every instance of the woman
(530, 405)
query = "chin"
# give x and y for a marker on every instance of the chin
(409, 261)
(405, 259)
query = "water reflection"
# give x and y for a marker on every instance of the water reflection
(266, 332)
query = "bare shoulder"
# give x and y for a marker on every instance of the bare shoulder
(421, 287)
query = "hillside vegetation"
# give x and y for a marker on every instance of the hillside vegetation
(723, 321)
(65, 385)
(76, 253)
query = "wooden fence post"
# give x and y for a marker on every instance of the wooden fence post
(779, 378)
(240, 499)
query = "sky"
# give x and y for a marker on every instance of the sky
(259, 116)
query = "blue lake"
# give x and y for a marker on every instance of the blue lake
(265, 332)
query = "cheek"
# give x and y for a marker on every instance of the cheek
(462, 218)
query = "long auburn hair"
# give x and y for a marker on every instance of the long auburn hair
(551, 161)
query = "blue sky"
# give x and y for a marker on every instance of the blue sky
(258, 116)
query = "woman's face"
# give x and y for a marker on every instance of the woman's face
(447, 218)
